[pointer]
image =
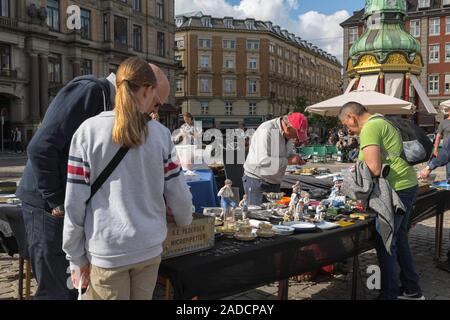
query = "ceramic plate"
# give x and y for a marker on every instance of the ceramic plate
(283, 230)
(244, 237)
(303, 226)
(265, 234)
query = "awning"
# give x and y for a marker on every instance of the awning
(422, 95)
(368, 83)
(207, 122)
(252, 122)
(394, 84)
(350, 86)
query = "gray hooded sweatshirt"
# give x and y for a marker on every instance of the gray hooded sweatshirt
(376, 194)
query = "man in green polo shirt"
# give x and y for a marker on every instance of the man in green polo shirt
(381, 143)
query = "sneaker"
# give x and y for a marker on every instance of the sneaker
(414, 296)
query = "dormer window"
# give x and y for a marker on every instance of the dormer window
(250, 24)
(179, 22)
(228, 22)
(268, 25)
(206, 22)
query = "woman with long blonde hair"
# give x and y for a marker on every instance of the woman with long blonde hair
(113, 237)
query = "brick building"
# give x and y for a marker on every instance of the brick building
(242, 71)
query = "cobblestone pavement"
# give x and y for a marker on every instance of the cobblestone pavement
(435, 283)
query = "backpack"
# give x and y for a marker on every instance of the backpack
(417, 147)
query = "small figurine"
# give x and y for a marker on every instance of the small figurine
(320, 212)
(226, 194)
(299, 210)
(336, 190)
(295, 197)
(244, 205)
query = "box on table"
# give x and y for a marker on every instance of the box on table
(198, 236)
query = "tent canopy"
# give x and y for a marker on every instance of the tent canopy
(374, 101)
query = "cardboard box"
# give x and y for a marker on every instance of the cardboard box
(199, 236)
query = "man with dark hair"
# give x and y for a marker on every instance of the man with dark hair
(381, 144)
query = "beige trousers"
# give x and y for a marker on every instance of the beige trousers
(133, 282)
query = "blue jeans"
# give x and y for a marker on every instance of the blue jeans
(48, 261)
(256, 197)
(401, 254)
(226, 202)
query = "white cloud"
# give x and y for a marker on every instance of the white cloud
(320, 29)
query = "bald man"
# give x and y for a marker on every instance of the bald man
(162, 87)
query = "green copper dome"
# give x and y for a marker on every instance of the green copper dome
(385, 32)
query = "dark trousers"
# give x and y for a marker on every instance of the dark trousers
(48, 261)
(400, 253)
(254, 189)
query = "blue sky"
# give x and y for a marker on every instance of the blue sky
(323, 6)
(314, 20)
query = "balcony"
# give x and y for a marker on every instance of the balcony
(8, 22)
(6, 73)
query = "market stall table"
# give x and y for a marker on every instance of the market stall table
(232, 267)
(203, 190)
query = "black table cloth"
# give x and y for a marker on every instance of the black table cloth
(232, 266)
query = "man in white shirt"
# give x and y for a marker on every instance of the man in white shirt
(271, 150)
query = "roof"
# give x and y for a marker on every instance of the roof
(198, 20)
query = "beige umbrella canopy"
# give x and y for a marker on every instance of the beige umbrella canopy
(374, 101)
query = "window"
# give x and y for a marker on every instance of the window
(204, 43)
(447, 25)
(253, 63)
(288, 70)
(228, 108)
(229, 85)
(228, 23)
(161, 44)
(54, 69)
(435, 28)
(137, 5)
(415, 28)
(252, 109)
(4, 8)
(250, 24)
(85, 24)
(113, 68)
(204, 61)
(5, 59)
(252, 86)
(86, 67)
(272, 65)
(179, 22)
(447, 52)
(272, 48)
(229, 44)
(434, 53)
(352, 35)
(446, 2)
(252, 44)
(204, 108)
(280, 51)
(120, 31)
(204, 85)
(228, 63)
(179, 43)
(206, 22)
(179, 85)
(447, 83)
(287, 54)
(52, 14)
(280, 67)
(105, 27)
(424, 4)
(433, 84)
(294, 72)
(160, 9)
(137, 38)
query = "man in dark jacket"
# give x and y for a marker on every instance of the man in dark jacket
(43, 184)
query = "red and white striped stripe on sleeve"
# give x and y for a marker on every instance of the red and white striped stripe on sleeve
(78, 171)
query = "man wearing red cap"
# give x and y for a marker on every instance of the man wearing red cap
(271, 150)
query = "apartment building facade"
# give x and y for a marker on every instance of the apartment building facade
(244, 71)
(429, 22)
(39, 54)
